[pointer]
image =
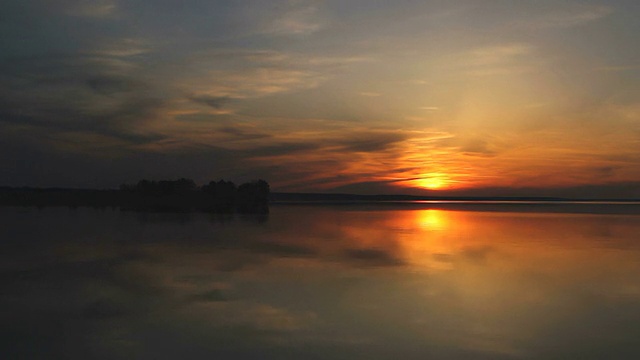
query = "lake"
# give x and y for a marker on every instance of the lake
(492, 281)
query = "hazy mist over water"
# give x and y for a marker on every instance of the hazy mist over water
(325, 282)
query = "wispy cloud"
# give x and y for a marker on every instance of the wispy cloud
(243, 74)
(288, 59)
(263, 81)
(498, 54)
(341, 158)
(122, 48)
(79, 95)
(211, 101)
(568, 17)
(296, 21)
(500, 59)
(92, 8)
(478, 147)
(614, 68)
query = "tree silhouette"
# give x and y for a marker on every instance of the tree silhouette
(180, 195)
(220, 196)
(253, 197)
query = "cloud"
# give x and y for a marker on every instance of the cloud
(246, 74)
(568, 17)
(614, 68)
(373, 141)
(275, 149)
(499, 59)
(91, 8)
(111, 84)
(260, 81)
(297, 21)
(498, 54)
(215, 102)
(215, 295)
(125, 47)
(351, 161)
(78, 94)
(478, 147)
(243, 133)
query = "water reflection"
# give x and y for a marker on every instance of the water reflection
(319, 282)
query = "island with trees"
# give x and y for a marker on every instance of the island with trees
(180, 195)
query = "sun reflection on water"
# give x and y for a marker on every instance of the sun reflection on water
(432, 219)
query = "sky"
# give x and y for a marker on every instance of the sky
(465, 97)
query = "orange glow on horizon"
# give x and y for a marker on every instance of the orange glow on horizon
(432, 184)
(433, 181)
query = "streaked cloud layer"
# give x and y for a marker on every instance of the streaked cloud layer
(323, 95)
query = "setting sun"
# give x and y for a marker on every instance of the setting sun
(433, 182)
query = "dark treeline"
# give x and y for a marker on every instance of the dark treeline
(148, 195)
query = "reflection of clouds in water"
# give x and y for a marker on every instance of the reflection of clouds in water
(285, 250)
(323, 280)
(215, 295)
(477, 254)
(107, 301)
(373, 257)
(260, 317)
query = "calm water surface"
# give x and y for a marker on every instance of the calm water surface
(321, 282)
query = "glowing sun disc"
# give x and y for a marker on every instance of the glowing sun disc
(432, 183)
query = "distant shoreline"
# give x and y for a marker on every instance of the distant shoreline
(281, 197)
(482, 204)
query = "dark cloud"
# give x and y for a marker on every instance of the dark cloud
(280, 149)
(371, 188)
(111, 85)
(78, 94)
(215, 295)
(242, 133)
(216, 102)
(105, 309)
(205, 118)
(371, 141)
(604, 172)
